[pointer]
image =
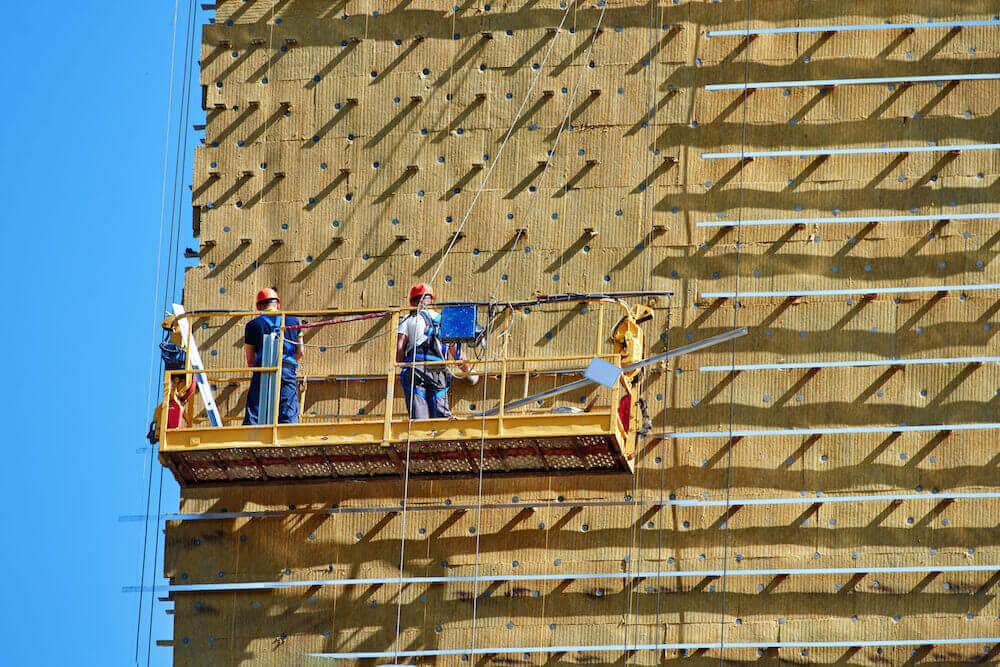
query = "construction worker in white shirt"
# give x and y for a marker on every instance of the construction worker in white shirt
(418, 342)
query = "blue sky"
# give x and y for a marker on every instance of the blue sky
(82, 167)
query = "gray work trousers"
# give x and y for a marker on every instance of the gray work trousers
(429, 396)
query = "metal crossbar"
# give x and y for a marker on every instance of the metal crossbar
(649, 361)
(687, 646)
(843, 292)
(578, 576)
(848, 28)
(848, 430)
(677, 502)
(841, 220)
(852, 82)
(851, 151)
(849, 364)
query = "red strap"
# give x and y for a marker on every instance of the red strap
(337, 321)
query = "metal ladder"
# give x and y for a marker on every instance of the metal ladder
(270, 356)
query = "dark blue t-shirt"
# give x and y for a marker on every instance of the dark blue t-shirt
(262, 325)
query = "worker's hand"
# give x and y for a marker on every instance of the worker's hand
(472, 379)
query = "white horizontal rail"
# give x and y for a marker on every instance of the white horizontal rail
(849, 364)
(688, 646)
(812, 83)
(841, 220)
(579, 576)
(569, 504)
(823, 499)
(844, 292)
(848, 28)
(852, 151)
(847, 430)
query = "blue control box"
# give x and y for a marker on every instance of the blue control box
(458, 323)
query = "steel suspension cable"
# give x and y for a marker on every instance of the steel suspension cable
(406, 480)
(408, 404)
(663, 466)
(649, 204)
(497, 285)
(496, 160)
(482, 458)
(437, 270)
(732, 376)
(153, 364)
(171, 281)
(522, 229)
(644, 228)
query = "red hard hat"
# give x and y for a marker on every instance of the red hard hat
(419, 291)
(266, 294)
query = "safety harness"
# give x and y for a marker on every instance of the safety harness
(432, 348)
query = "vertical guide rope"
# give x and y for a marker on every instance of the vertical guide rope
(505, 344)
(663, 464)
(522, 228)
(650, 146)
(649, 192)
(455, 237)
(503, 144)
(482, 458)
(732, 375)
(406, 490)
(170, 284)
(181, 151)
(496, 288)
(152, 362)
(646, 267)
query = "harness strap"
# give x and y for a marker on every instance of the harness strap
(431, 347)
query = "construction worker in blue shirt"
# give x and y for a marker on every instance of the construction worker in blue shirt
(256, 329)
(418, 341)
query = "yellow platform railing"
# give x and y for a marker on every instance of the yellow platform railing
(393, 427)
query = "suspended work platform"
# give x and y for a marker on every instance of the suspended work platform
(594, 442)
(535, 433)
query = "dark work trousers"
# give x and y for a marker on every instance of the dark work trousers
(288, 398)
(429, 396)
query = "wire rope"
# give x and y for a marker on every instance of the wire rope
(170, 283)
(152, 362)
(663, 466)
(649, 204)
(482, 458)
(634, 536)
(441, 262)
(181, 161)
(503, 144)
(732, 376)
(522, 228)
(408, 404)
(498, 285)
(406, 479)
(639, 485)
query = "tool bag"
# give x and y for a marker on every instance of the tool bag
(173, 355)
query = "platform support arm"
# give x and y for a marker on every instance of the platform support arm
(649, 361)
